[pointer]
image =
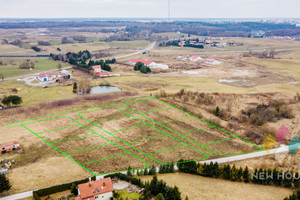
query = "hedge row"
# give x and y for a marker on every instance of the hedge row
(57, 188)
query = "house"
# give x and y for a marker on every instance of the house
(65, 74)
(96, 190)
(195, 58)
(193, 42)
(134, 61)
(97, 69)
(44, 77)
(9, 147)
(4, 171)
(159, 66)
(212, 61)
(181, 43)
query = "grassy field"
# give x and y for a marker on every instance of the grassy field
(129, 44)
(197, 187)
(129, 196)
(41, 64)
(34, 95)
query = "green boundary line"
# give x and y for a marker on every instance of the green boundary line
(88, 148)
(167, 149)
(77, 110)
(72, 138)
(111, 142)
(57, 129)
(201, 129)
(105, 158)
(80, 115)
(175, 120)
(157, 110)
(105, 120)
(261, 149)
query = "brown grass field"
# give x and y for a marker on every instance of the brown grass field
(197, 187)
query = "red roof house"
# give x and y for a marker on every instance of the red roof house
(97, 68)
(9, 147)
(93, 190)
(134, 61)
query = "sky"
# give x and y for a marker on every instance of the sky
(149, 8)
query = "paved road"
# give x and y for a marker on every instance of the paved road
(210, 52)
(151, 46)
(28, 75)
(18, 196)
(282, 149)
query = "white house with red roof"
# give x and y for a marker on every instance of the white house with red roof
(195, 58)
(134, 61)
(148, 64)
(97, 69)
(96, 190)
(44, 77)
(212, 61)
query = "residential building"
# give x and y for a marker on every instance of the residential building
(44, 77)
(195, 58)
(97, 69)
(9, 147)
(212, 61)
(134, 61)
(96, 190)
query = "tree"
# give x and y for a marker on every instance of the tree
(74, 189)
(75, 87)
(4, 183)
(246, 175)
(138, 66)
(129, 173)
(217, 111)
(160, 196)
(152, 171)
(12, 99)
(175, 194)
(144, 69)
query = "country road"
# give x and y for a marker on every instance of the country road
(281, 149)
(211, 52)
(151, 46)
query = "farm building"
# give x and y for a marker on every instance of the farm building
(148, 64)
(97, 69)
(10, 147)
(212, 61)
(195, 58)
(44, 77)
(101, 189)
(134, 61)
(65, 74)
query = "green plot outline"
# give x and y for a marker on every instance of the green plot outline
(94, 133)
(192, 116)
(129, 144)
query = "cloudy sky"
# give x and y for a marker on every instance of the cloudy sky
(149, 8)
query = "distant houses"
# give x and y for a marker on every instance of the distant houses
(195, 58)
(9, 147)
(148, 64)
(96, 190)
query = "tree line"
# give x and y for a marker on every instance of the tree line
(139, 66)
(260, 176)
(155, 188)
(80, 59)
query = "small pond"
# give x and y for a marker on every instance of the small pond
(104, 89)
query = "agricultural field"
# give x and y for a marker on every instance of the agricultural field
(146, 131)
(198, 187)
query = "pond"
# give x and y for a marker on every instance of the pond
(104, 89)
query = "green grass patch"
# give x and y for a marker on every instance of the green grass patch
(129, 196)
(40, 65)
